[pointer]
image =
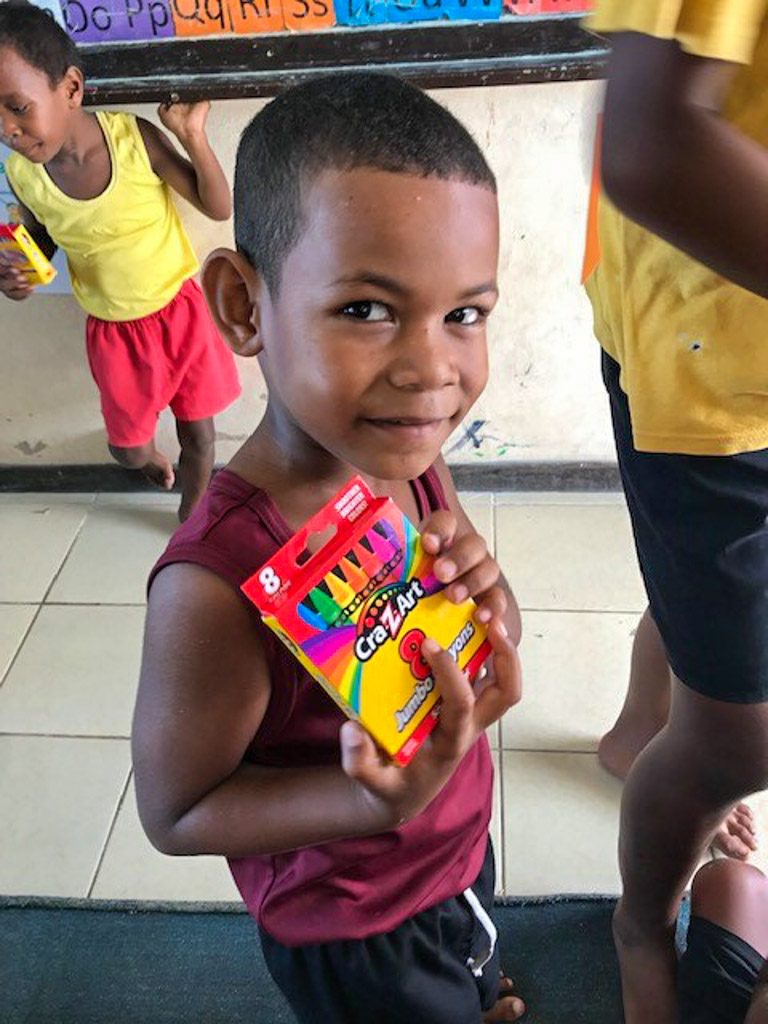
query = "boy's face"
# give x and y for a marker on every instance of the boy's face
(34, 116)
(374, 347)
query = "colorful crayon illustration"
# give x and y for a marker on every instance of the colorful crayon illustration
(355, 614)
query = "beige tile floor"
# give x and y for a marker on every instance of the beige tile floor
(72, 573)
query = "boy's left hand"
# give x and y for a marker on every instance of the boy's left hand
(185, 120)
(465, 565)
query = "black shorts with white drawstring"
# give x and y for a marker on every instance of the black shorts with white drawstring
(441, 965)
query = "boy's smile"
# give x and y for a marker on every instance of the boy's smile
(374, 346)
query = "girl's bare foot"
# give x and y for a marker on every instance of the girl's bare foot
(736, 836)
(508, 1006)
(159, 471)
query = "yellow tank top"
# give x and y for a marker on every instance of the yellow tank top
(127, 251)
(692, 346)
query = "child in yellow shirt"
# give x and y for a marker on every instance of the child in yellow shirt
(98, 186)
(680, 310)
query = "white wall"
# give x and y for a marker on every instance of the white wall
(545, 399)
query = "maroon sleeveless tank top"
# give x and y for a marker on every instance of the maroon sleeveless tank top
(349, 888)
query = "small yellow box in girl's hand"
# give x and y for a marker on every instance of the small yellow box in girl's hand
(356, 611)
(19, 248)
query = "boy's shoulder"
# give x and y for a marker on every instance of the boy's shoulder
(233, 530)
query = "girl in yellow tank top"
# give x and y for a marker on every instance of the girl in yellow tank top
(98, 186)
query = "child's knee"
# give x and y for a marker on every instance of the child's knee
(131, 458)
(733, 895)
(721, 877)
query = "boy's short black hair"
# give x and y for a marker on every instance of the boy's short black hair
(345, 120)
(38, 39)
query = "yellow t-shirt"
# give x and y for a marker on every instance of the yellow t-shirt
(693, 347)
(127, 251)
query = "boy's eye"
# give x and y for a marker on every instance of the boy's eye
(19, 110)
(466, 315)
(372, 312)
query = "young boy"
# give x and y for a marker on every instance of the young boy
(98, 186)
(367, 244)
(680, 311)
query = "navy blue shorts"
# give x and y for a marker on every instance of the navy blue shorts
(419, 972)
(702, 542)
(717, 975)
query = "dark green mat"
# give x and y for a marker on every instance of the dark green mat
(71, 962)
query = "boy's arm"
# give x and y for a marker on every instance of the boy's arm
(200, 179)
(673, 164)
(13, 283)
(203, 693)
(512, 615)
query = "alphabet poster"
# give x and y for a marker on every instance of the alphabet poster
(101, 21)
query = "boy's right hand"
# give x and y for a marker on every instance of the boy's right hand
(393, 794)
(13, 282)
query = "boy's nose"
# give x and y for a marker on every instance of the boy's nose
(425, 361)
(8, 129)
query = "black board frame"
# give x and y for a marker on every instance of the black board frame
(511, 51)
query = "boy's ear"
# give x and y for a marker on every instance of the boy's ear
(232, 288)
(74, 86)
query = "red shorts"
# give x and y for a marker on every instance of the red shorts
(173, 357)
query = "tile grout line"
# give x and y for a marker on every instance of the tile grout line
(551, 750)
(110, 832)
(35, 499)
(81, 604)
(496, 557)
(493, 526)
(64, 561)
(502, 868)
(63, 735)
(583, 611)
(501, 860)
(45, 595)
(20, 644)
(97, 508)
(506, 503)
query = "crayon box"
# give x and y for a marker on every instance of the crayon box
(25, 254)
(356, 611)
